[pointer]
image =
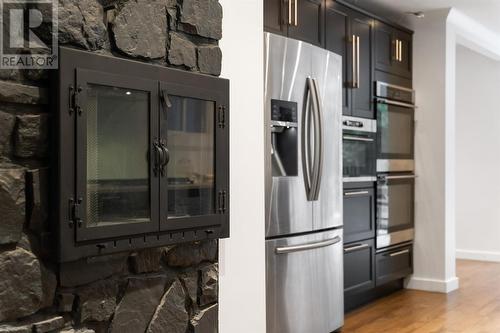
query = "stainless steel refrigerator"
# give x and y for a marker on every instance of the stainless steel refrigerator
(304, 250)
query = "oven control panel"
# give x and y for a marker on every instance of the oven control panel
(359, 124)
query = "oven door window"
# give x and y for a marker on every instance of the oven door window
(395, 128)
(358, 154)
(395, 205)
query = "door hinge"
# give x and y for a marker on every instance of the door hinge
(74, 212)
(74, 101)
(222, 202)
(222, 116)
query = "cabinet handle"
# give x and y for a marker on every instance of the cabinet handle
(296, 23)
(395, 254)
(356, 247)
(400, 51)
(290, 12)
(395, 42)
(354, 76)
(352, 194)
(357, 61)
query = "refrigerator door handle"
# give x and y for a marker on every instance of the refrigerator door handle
(318, 142)
(308, 246)
(306, 138)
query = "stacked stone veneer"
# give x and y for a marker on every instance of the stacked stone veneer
(171, 289)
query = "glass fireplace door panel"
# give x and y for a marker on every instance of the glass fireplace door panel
(189, 130)
(117, 145)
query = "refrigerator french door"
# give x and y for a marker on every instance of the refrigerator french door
(303, 187)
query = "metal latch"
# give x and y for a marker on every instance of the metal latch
(75, 217)
(74, 102)
(222, 198)
(222, 116)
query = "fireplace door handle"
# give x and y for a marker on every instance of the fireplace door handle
(165, 101)
(165, 157)
(159, 157)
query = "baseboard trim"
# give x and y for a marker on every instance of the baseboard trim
(432, 285)
(478, 255)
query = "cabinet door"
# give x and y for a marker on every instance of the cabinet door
(194, 135)
(403, 65)
(359, 268)
(362, 92)
(307, 21)
(116, 186)
(385, 47)
(394, 264)
(393, 50)
(359, 214)
(275, 16)
(337, 32)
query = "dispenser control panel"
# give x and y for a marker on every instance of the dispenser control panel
(283, 112)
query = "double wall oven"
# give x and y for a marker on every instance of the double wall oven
(395, 164)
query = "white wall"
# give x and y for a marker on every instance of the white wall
(241, 257)
(477, 156)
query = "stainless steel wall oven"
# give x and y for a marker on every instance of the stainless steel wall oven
(359, 149)
(395, 128)
(395, 209)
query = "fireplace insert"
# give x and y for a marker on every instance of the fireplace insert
(142, 155)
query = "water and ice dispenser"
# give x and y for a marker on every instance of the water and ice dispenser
(284, 138)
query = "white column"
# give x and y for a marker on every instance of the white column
(433, 78)
(242, 306)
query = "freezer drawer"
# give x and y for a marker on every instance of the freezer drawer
(305, 285)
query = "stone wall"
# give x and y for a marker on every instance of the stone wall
(171, 289)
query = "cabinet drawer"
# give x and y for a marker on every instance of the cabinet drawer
(394, 264)
(359, 270)
(359, 214)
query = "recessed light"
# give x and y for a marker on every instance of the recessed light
(128, 93)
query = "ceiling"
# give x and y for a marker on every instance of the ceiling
(487, 12)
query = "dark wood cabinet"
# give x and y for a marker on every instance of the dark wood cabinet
(393, 50)
(337, 32)
(359, 214)
(394, 264)
(274, 16)
(298, 19)
(350, 34)
(359, 267)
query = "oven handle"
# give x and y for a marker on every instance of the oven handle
(399, 177)
(308, 246)
(352, 194)
(390, 102)
(357, 138)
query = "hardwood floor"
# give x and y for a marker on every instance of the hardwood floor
(474, 308)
